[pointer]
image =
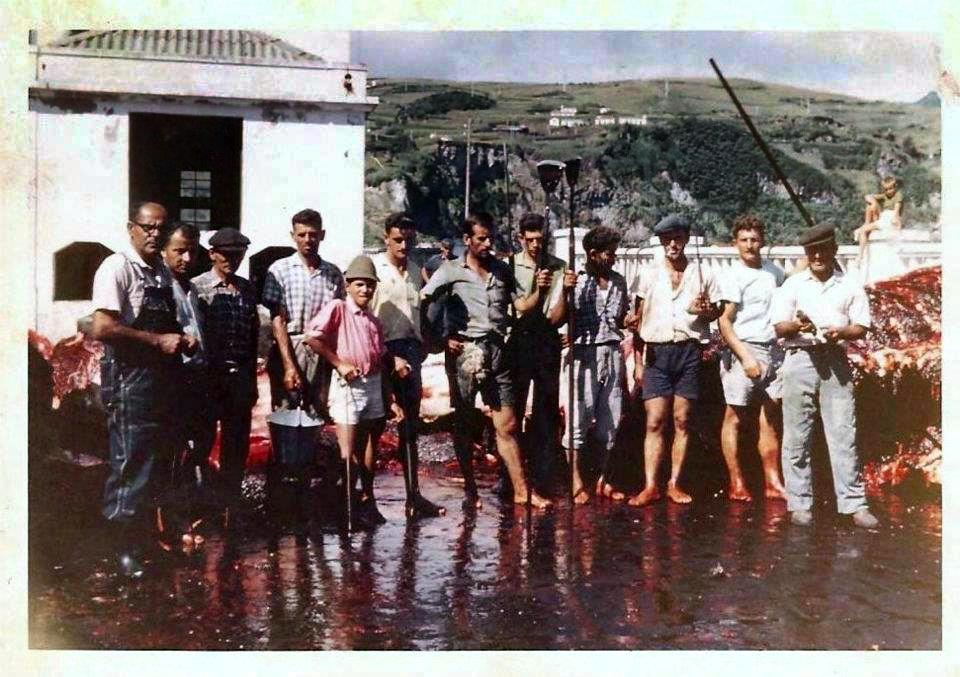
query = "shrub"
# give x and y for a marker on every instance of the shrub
(444, 102)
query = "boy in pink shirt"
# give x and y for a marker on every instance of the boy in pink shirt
(346, 335)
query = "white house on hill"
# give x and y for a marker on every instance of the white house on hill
(225, 128)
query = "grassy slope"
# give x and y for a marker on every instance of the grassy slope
(770, 106)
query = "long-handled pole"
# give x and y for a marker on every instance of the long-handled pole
(763, 147)
(571, 169)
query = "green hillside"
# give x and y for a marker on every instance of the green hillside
(693, 144)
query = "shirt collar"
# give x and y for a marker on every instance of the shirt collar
(352, 306)
(523, 258)
(135, 257)
(298, 261)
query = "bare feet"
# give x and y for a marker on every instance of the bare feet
(606, 490)
(738, 492)
(580, 495)
(645, 497)
(536, 500)
(677, 495)
(775, 493)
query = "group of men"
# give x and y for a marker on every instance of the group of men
(181, 357)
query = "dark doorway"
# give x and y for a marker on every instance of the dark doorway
(190, 164)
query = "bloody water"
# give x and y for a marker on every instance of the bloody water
(713, 575)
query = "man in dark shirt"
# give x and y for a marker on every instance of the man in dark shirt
(230, 328)
(431, 264)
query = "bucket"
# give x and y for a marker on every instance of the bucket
(293, 434)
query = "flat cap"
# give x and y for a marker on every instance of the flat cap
(446, 242)
(229, 239)
(816, 235)
(361, 268)
(673, 223)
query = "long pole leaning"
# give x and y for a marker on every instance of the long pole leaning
(763, 146)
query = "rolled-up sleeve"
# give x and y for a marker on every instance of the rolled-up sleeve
(108, 286)
(783, 307)
(730, 288)
(640, 285)
(859, 309)
(437, 280)
(327, 321)
(272, 296)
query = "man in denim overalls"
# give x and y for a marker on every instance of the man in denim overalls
(135, 317)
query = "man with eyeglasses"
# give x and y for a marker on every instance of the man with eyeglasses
(396, 303)
(135, 317)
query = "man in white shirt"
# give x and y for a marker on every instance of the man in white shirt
(814, 311)
(396, 303)
(135, 317)
(193, 435)
(676, 302)
(750, 364)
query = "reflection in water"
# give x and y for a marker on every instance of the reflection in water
(710, 575)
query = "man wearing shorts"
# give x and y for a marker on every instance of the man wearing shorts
(750, 364)
(482, 288)
(676, 301)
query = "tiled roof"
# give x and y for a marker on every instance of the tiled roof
(244, 46)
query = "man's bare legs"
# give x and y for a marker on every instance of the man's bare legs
(681, 440)
(656, 409)
(729, 443)
(577, 490)
(505, 425)
(769, 447)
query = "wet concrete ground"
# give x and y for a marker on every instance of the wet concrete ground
(713, 575)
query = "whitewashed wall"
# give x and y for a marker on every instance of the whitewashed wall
(81, 195)
(82, 185)
(289, 166)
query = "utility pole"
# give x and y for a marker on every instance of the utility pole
(506, 178)
(466, 201)
(666, 89)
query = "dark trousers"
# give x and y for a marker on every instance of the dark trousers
(233, 392)
(137, 399)
(408, 392)
(536, 362)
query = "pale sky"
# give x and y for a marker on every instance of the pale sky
(891, 66)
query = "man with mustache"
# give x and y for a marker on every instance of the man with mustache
(814, 312)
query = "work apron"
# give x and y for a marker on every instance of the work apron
(137, 386)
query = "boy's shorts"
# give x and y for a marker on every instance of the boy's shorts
(359, 400)
(738, 389)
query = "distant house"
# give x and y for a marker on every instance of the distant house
(604, 110)
(604, 120)
(225, 128)
(564, 112)
(632, 120)
(516, 129)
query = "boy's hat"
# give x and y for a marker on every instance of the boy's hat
(674, 223)
(361, 268)
(816, 235)
(446, 242)
(229, 239)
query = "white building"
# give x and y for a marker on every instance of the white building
(564, 112)
(632, 120)
(224, 128)
(604, 120)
